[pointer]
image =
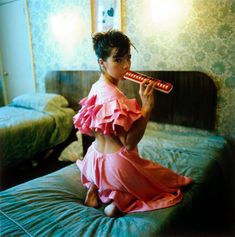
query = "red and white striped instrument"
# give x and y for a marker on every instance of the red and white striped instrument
(161, 85)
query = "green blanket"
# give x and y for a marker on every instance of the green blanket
(53, 205)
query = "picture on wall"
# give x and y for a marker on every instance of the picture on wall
(106, 15)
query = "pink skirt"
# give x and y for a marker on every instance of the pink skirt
(133, 183)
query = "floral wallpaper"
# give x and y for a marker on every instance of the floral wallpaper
(200, 39)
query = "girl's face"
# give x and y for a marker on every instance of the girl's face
(115, 66)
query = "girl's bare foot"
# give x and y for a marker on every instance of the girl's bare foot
(92, 198)
(111, 210)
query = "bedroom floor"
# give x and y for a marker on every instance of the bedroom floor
(31, 169)
(39, 165)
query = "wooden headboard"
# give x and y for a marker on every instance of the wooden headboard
(192, 102)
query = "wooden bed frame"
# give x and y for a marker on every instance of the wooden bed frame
(192, 102)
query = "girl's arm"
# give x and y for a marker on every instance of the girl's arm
(131, 138)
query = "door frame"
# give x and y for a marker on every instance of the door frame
(3, 75)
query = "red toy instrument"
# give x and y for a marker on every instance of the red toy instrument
(162, 86)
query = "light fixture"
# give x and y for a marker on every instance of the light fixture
(168, 13)
(67, 29)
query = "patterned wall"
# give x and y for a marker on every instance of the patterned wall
(201, 39)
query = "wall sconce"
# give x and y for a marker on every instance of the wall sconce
(67, 29)
(168, 12)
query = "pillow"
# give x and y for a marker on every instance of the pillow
(39, 101)
(73, 151)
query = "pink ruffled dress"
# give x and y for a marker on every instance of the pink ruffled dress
(135, 184)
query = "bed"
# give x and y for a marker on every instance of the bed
(180, 136)
(30, 124)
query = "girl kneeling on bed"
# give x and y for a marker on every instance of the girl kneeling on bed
(112, 170)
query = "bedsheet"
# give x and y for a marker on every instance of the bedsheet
(53, 205)
(32, 124)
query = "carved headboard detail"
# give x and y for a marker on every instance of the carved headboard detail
(192, 101)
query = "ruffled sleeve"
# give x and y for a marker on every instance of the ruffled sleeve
(104, 117)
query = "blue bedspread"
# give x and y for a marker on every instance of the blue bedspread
(53, 205)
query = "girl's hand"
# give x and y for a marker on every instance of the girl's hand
(147, 95)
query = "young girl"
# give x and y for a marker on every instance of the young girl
(112, 170)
